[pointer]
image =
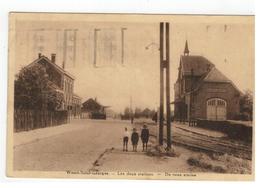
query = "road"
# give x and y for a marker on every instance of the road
(97, 145)
(73, 150)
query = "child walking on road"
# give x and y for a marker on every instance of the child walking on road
(134, 139)
(125, 140)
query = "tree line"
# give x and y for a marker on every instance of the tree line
(137, 113)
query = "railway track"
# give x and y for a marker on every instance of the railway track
(210, 144)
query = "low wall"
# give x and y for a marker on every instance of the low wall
(235, 130)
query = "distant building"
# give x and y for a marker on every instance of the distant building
(202, 91)
(76, 106)
(93, 109)
(61, 80)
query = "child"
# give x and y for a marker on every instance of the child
(125, 140)
(134, 139)
(145, 137)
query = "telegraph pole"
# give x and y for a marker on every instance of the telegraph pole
(161, 84)
(165, 64)
(191, 98)
(168, 107)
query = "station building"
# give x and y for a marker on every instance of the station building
(202, 91)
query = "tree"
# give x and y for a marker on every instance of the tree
(246, 105)
(33, 90)
(138, 112)
(146, 113)
(127, 112)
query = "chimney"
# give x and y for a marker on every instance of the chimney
(53, 57)
(39, 55)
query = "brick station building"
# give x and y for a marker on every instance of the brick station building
(61, 81)
(92, 109)
(202, 91)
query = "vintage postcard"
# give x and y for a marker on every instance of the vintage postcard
(131, 96)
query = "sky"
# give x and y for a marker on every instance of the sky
(228, 42)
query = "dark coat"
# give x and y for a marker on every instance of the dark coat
(145, 135)
(134, 138)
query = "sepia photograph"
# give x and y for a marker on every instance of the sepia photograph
(131, 96)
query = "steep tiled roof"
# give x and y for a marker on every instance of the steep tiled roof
(215, 76)
(199, 64)
(92, 101)
(53, 64)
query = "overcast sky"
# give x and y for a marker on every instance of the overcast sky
(226, 42)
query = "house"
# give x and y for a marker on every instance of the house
(202, 91)
(92, 109)
(60, 79)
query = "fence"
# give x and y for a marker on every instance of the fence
(25, 120)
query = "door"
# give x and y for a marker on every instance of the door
(216, 109)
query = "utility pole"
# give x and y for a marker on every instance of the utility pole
(165, 64)
(168, 107)
(123, 44)
(95, 47)
(161, 84)
(191, 98)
